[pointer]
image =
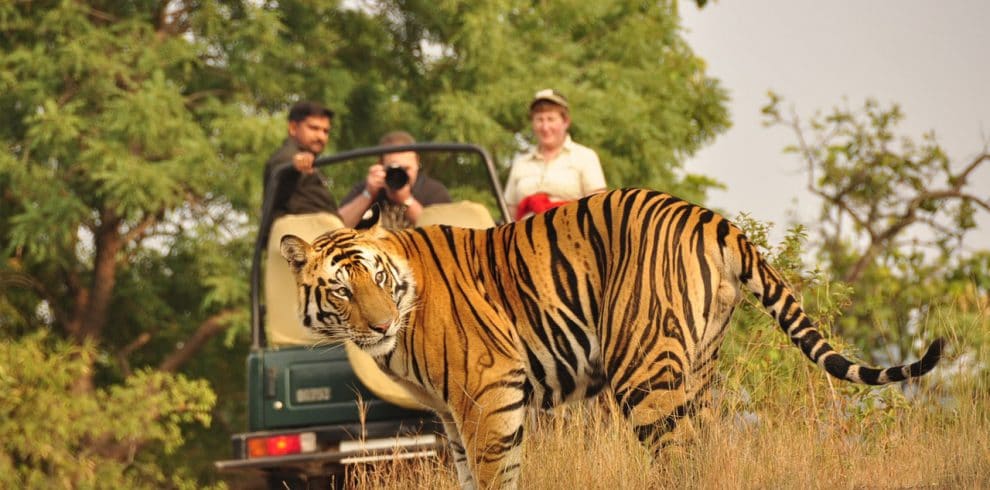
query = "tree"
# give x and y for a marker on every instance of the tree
(640, 95)
(51, 437)
(894, 215)
(131, 160)
(134, 135)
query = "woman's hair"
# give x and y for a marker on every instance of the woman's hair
(547, 106)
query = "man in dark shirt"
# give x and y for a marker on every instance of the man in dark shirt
(401, 201)
(303, 206)
(303, 188)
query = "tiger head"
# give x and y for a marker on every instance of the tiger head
(350, 289)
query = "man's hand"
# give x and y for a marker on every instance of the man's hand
(303, 162)
(376, 179)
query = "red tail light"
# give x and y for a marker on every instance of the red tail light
(281, 445)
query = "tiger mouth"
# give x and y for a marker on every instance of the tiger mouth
(377, 347)
(384, 339)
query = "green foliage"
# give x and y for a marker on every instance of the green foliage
(764, 371)
(52, 436)
(639, 95)
(894, 215)
(880, 407)
(134, 136)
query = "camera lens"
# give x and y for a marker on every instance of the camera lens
(396, 178)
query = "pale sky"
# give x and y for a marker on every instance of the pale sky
(932, 58)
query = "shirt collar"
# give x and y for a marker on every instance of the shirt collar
(534, 151)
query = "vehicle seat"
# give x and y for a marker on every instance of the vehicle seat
(282, 324)
(465, 214)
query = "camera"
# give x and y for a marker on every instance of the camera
(396, 177)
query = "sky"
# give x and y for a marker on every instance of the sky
(932, 58)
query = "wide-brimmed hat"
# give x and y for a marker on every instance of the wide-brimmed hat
(549, 95)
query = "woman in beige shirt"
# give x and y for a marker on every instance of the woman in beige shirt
(557, 169)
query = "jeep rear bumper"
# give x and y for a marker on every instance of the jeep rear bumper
(340, 445)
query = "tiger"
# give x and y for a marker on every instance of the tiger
(629, 290)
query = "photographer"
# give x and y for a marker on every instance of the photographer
(395, 185)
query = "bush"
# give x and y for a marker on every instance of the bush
(54, 436)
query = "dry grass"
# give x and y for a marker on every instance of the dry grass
(923, 444)
(782, 424)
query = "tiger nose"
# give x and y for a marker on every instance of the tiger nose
(381, 327)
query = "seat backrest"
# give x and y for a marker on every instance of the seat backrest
(466, 214)
(282, 324)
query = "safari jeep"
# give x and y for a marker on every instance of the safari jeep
(315, 409)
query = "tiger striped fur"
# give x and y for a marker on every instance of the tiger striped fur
(630, 290)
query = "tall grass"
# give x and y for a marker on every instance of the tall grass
(590, 446)
(805, 431)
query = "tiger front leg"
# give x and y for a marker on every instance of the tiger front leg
(490, 425)
(456, 445)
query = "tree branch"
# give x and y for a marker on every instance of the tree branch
(80, 295)
(193, 97)
(108, 244)
(139, 230)
(171, 21)
(935, 225)
(983, 204)
(207, 330)
(972, 166)
(25, 281)
(129, 349)
(844, 206)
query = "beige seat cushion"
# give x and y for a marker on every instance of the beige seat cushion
(282, 319)
(465, 214)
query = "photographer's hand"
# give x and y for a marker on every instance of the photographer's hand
(376, 179)
(404, 196)
(351, 211)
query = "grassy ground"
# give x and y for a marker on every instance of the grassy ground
(818, 437)
(781, 423)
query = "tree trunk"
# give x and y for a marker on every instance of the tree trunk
(90, 314)
(207, 330)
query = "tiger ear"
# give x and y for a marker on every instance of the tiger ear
(295, 251)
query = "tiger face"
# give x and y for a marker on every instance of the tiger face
(348, 289)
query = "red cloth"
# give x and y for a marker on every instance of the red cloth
(536, 204)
